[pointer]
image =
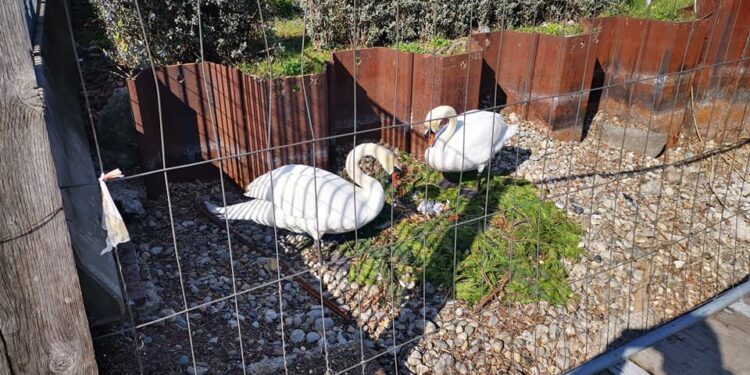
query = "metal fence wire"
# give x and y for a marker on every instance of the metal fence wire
(620, 203)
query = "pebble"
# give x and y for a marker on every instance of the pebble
(312, 337)
(297, 336)
(269, 316)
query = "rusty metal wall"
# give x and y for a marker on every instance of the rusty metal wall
(648, 66)
(241, 110)
(383, 84)
(722, 88)
(523, 70)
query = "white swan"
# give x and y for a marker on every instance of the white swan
(294, 196)
(468, 142)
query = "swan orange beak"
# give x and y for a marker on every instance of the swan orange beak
(431, 139)
(394, 177)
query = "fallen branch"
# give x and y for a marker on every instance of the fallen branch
(497, 292)
(302, 283)
(692, 112)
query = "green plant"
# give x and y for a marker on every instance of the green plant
(664, 10)
(553, 28)
(231, 30)
(524, 235)
(288, 64)
(286, 56)
(438, 45)
(285, 8)
(331, 22)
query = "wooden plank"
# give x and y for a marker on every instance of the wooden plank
(716, 346)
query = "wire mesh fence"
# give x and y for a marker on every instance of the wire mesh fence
(619, 204)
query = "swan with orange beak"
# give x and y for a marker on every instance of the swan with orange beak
(466, 143)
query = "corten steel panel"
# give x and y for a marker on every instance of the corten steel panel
(181, 123)
(723, 86)
(514, 69)
(564, 66)
(640, 61)
(290, 129)
(240, 118)
(383, 94)
(490, 92)
(522, 70)
(443, 80)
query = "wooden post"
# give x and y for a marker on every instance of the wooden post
(43, 327)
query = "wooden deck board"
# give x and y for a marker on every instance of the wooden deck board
(720, 345)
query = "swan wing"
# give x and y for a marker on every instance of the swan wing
(296, 189)
(479, 135)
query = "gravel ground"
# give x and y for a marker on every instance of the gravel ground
(661, 235)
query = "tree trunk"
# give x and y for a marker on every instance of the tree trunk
(43, 327)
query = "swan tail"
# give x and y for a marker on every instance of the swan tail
(257, 211)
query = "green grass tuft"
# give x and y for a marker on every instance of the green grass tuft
(521, 230)
(438, 45)
(663, 10)
(553, 28)
(286, 58)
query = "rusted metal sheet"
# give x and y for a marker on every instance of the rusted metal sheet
(648, 67)
(383, 84)
(524, 70)
(509, 64)
(722, 89)
(182, 142)
(443, 80)
(563, 67)
(241, 118)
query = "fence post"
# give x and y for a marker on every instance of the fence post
(43, 327)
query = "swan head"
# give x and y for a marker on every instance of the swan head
(388, 161)
(385, 157)
(435, 119)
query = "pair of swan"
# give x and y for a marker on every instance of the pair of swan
(304, 199)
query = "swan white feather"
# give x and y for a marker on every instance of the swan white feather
(297, 188)
(468, 142)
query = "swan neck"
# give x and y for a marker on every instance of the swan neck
(354, 171)
(450, 130)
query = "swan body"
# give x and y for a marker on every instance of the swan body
(468, 142)
(304, 199)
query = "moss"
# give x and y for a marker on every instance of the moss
(553, 28)
(663, 10)
(523, 234)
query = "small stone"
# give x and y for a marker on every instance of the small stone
(497, 345)
(320, 322)
(312, 337)
(156, 250)
(184, 360)
(269, 316)
(199, 369)
(493, 321)
(297, 336)
(679, 264)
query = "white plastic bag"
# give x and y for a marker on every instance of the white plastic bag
(112, 222)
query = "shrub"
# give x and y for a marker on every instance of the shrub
(331, 22)
(231, 30)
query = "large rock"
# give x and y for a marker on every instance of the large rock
(116, 132)
(634, 139)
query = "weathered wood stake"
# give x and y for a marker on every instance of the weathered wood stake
(43, 327)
